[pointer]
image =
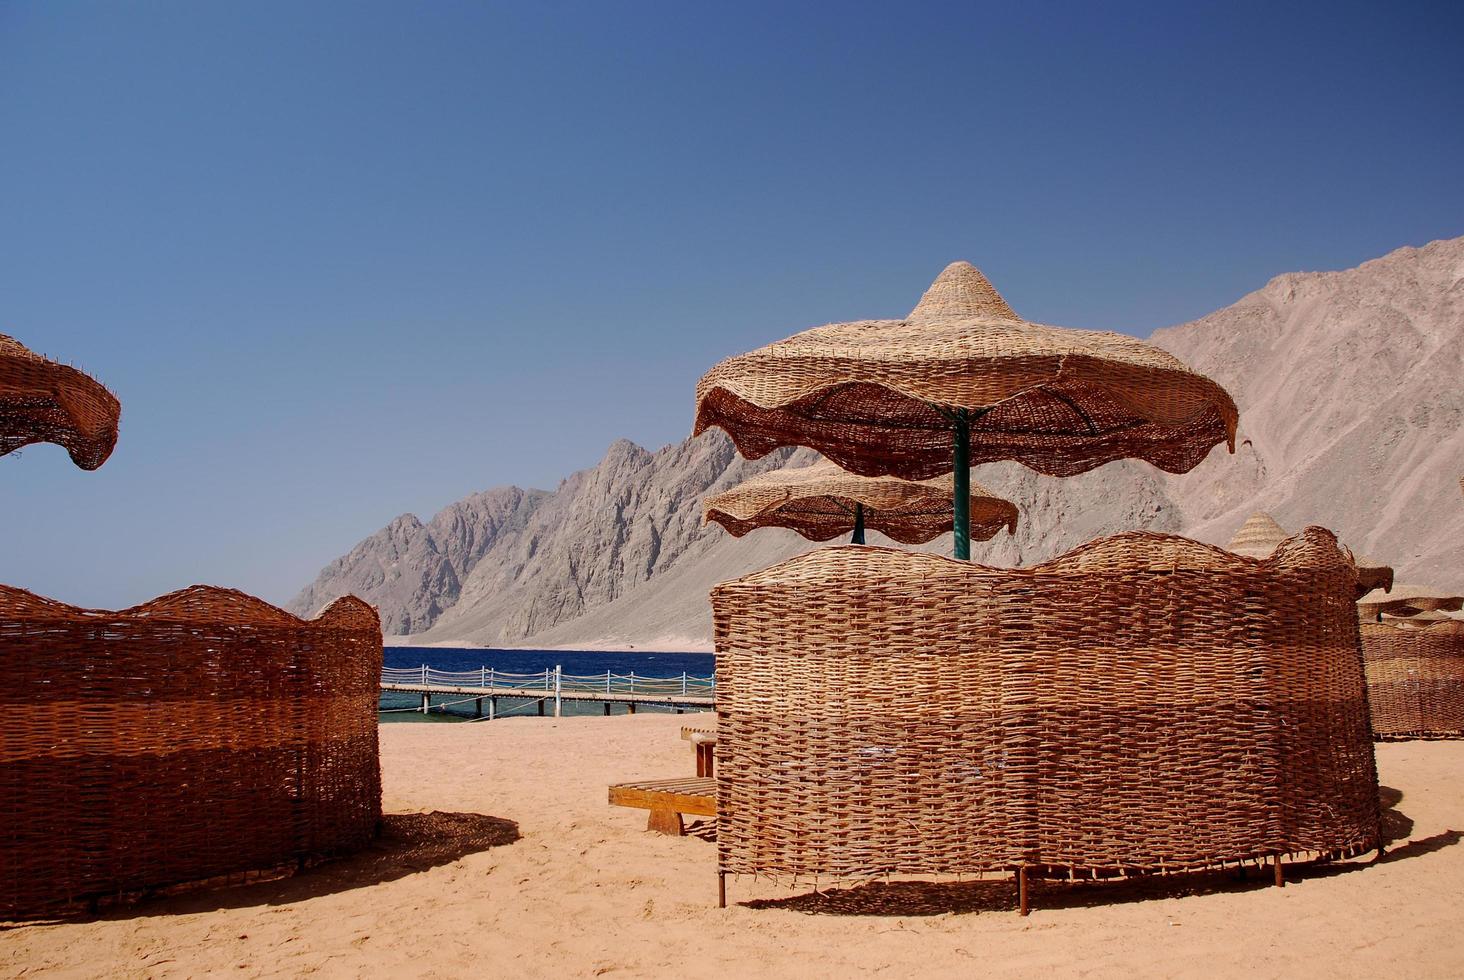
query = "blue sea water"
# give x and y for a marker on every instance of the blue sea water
(572, 662)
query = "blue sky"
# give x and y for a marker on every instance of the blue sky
(346, 260)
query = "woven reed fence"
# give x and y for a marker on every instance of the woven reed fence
(1415, 680)
(1144, 703)
(199, 735)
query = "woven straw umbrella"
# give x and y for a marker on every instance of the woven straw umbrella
(1260, 534)
(963, 380)
(1257, 537)
(822, 501)
(1406, 599)
(42, 401)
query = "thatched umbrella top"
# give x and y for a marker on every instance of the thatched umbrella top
(1372, 575)
(882, 397)
(1420, 620)
(1257, 537)
(1407, 599)
(823, 501)
(1260, 534)
(42, 401)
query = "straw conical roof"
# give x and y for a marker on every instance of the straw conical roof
(1408, 598)
(1372, 575)
(42, 401)
(818, 502)
(1257, 537)
(877, 396)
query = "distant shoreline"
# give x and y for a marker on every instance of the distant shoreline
(662, 645)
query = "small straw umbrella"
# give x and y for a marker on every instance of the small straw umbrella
(822, 501)
(43, 401)
(1257, 537)
(1406, 599)
(963, 380)
(1260, 534)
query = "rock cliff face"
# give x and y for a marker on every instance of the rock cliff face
(1349, 386)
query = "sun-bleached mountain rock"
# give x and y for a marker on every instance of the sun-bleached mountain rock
(1351, 394)
(1351, 405)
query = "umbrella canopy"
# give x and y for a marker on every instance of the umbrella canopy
(1419, 620)
(42, 401)
(822, 502)
(1257, 537)
(1408, 599)
(1260, 534)
(1372, 574)
(964, 380)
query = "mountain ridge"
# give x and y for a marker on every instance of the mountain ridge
(1351, 414)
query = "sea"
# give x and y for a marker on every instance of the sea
(396, 708)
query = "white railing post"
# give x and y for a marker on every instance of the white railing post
(482, 676)
(424, 675)
(546, 678)
(558, 687)
(632, 682)
(491, 681)
(683, 683)
(607, 682)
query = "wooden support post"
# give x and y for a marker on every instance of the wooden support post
(721, 889)
(541, 707)
(477, 707)
(1022, 905)
(666, 822)
(492, 708)
(607, 709)
(1280, 873)
(632, 707)
(426, 702)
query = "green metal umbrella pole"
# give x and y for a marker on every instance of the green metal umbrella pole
(961, 456)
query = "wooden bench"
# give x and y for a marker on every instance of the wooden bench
(668, 799)
(703, 739)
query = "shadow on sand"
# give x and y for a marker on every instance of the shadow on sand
(920, 898)
(408, 843)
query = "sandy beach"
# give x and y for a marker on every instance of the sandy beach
(501, 853)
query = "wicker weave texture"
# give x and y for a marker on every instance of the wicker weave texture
(1144, 702)
(818, 502)
(1415, 679)
(201, 734)
(1061, 401)
(42, 401)
(1406, 599)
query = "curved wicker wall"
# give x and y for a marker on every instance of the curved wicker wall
(197, 735)
(1415, 679)
(1144, 702)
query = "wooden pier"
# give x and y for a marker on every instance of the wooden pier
(549, 689)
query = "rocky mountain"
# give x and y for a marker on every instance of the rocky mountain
(1349, 390)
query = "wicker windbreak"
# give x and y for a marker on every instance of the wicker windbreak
(819, 502)
(42, 401)
(1142, 703)
(1415, 679)
(879, 397)
(200, 734)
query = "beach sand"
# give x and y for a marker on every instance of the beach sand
(527, 871)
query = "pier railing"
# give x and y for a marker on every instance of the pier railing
(550, 681)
